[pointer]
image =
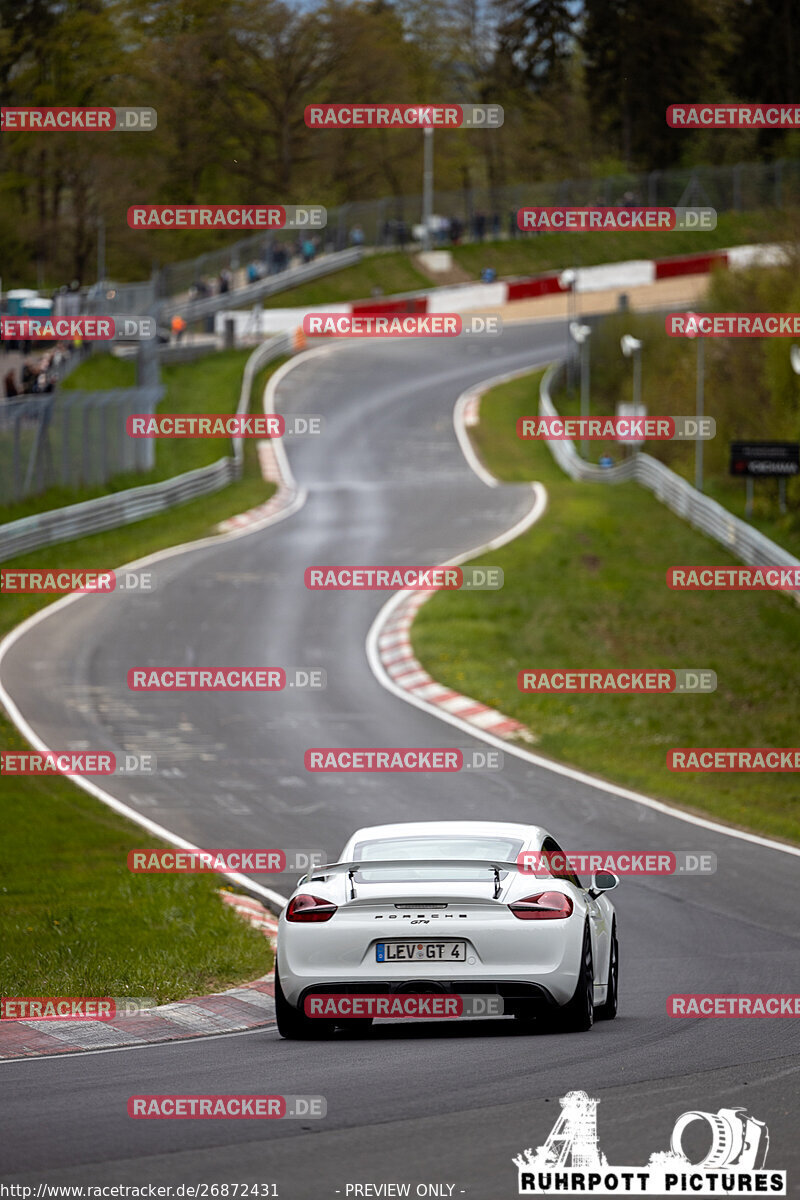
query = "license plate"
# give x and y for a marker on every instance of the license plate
(421, 952)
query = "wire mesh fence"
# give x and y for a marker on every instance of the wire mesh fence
(70, 439)
(490, 212)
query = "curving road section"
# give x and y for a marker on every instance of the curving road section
(387, 483)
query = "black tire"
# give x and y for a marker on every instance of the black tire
(608, 1010)
(294, 1024)
(577, 1015)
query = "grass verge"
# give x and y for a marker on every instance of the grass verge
(585, 588)
(530, 253)
(73, 921)
(391, 273)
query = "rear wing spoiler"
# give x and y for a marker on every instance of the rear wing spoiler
(496, 866)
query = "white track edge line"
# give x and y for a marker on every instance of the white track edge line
(376, 666)
(61, 1055)
(17, 718)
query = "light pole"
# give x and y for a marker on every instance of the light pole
(567, 280)
(101, 250)
(794, 359)
(699, 405)
(632, 348)
(581, 335)
(427, 185)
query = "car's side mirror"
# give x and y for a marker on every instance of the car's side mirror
(603, 881)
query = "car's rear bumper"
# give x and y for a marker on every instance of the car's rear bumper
(517, 995)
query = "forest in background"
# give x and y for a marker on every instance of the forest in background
(584, 86)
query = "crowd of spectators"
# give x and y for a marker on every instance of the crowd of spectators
(38, 375)
(478, 227)
(276, 256)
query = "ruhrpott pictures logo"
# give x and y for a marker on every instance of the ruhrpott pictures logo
(570, 1161)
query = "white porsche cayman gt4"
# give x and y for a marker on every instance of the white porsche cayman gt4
(446, 907)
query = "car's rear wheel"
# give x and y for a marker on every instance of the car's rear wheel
(608, 1010)
(577, 1015)
(292, 1023)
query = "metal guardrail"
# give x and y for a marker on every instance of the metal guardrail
(705, 514)
(273, 348)
(134, 504)
(242, 297)
(142, 299)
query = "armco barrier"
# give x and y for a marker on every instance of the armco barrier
(410, 304)
(525, 289)
(134, 504)
(638, 272)
(690, 264)
(195, 310)
(703, 513)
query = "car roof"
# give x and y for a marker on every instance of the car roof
(526, 833)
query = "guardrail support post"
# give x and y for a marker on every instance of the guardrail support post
(698, 446)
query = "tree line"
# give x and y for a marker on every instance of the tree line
(584, 85)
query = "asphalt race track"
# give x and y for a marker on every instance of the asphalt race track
(387, 483)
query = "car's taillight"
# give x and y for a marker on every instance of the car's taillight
(546, 906)
(309, 908)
